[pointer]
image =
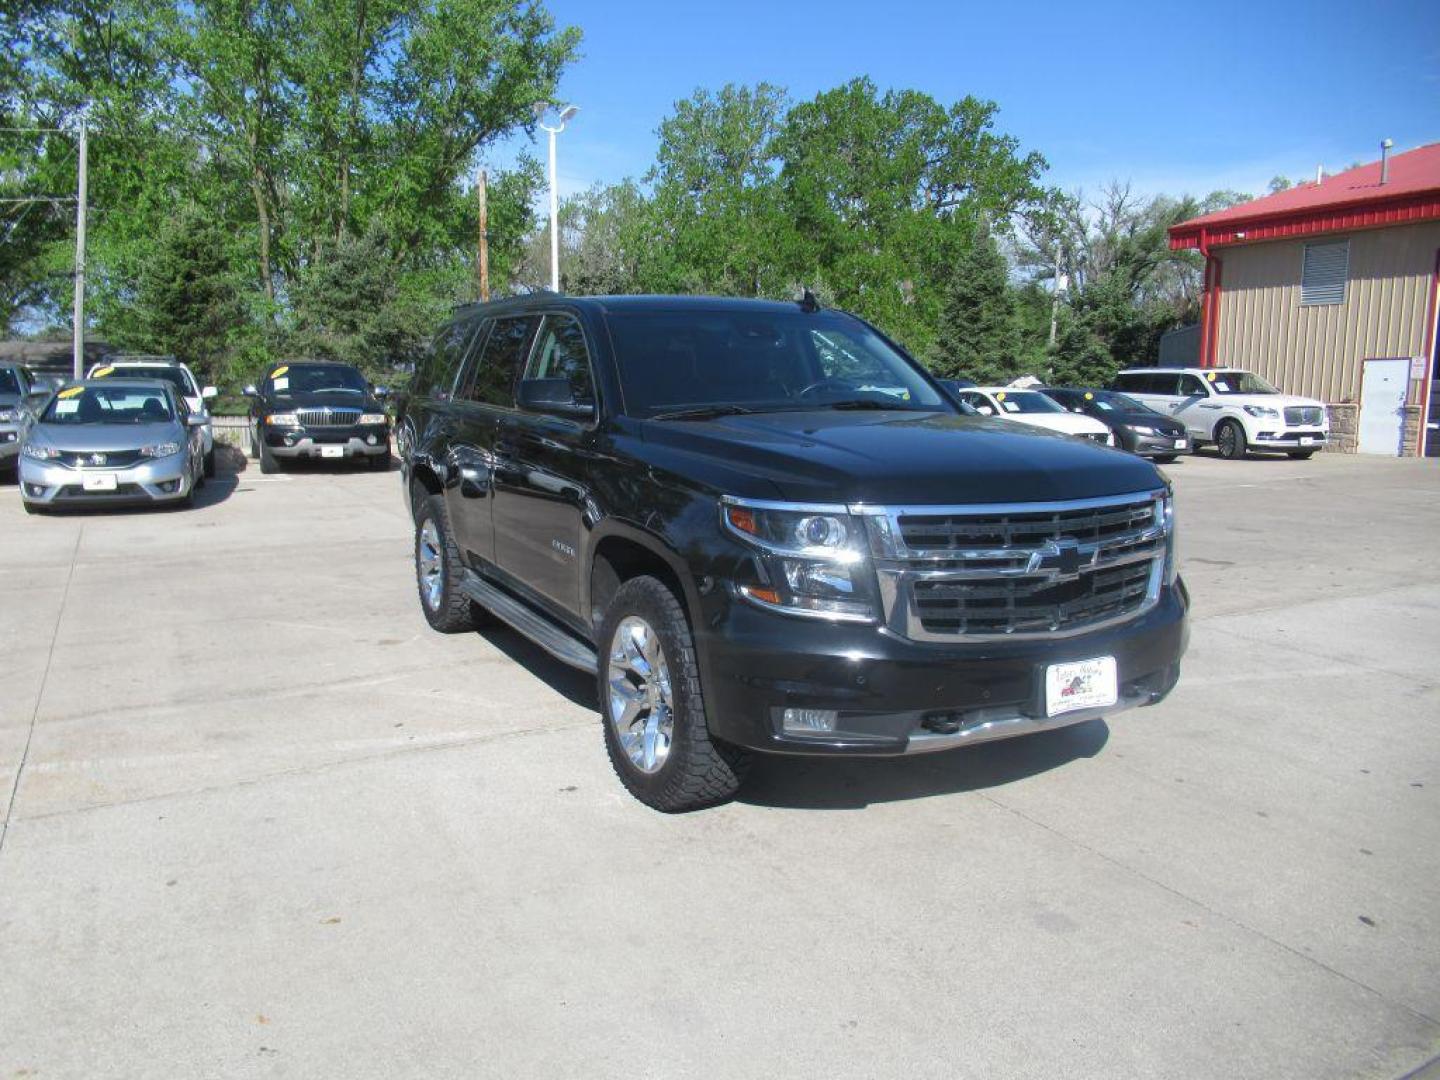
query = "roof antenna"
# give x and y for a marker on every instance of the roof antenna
(1385, 145)
(808, 303)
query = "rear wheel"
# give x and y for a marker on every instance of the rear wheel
(1230, 440)
(439, 572)
(649, 683)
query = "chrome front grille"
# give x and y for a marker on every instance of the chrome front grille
(313, 418)
(1303, 416)
(993, 572)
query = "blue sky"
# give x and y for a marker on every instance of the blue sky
(1174, 98)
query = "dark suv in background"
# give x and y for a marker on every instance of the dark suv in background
(765, 528)
(317, 410)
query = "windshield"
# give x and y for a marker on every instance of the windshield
(1024, 401)
(9, 384)
(165, 373)
(117, 404)
(316, 378)
(1238, 382)
(762, 361)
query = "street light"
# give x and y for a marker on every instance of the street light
(566, 115)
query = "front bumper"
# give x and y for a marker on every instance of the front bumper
(1290, 439)
(896, 696)
(297, 443)
(161, 480)
(1159, 445)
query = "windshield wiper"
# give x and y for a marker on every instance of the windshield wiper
(703, 412)
(864, 403)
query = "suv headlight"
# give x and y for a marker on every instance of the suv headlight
(164, 449)
(1172, 551)
(372, 418)
(1262, 412)
(815, 559)
(40, 453)
(9, 416)
(283, 419)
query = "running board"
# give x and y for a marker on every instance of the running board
(560, 644)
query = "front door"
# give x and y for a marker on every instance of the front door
(1382, 403)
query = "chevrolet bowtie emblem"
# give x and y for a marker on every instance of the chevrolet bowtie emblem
(1061, 559)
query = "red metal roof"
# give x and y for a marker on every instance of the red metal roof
(1350, 200)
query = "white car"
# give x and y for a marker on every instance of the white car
(1236, 410)
(178, 376)
(1034, 408)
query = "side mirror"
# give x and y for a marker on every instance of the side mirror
(250, 391)
(381, 392)
(555, 397)
(208, 392)
(196, 420)
(985, 410)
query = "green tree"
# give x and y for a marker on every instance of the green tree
(979, 332)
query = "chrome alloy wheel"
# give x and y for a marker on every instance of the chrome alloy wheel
(430, 565)
(641, 707)
(1228, 442)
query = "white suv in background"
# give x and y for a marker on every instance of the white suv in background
(178, 376)
(1236, 410)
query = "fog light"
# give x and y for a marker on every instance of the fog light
(169, 486)
(809, 720)
(35, 490)
(371, 439)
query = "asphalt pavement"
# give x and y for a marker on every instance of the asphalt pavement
(260, 821)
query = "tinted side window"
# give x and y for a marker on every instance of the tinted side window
(446, 354)
(560, 353)
(491, 379)
(1190, 386)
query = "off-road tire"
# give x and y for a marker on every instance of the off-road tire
(381, 462)
(1300, 455)
(210, 463)
(699, 770)
(454, 612)
(1236, 448)
(269, 463)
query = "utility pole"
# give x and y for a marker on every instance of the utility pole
(81, 197)
(482, 268)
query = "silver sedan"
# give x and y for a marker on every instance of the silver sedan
(112, 441)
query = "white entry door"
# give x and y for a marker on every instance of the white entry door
(1382, 396)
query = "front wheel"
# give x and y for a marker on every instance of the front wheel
(210, 462)
(649, 683)
(269, 463)
(1230, 440)
(1300, 455)
(1164, 459)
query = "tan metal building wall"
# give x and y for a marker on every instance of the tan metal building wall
(1317, 351)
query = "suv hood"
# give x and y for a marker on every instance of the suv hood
(890, 457)
(1273, 401)
(320, 399)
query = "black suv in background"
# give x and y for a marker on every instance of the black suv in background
(764, 528)
(1137, 428)
(316, 409)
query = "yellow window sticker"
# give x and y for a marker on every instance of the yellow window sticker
(1089, 396)
(100, 373)
(281, 370)
(1210, 375)
(1000, 396)
(74, 391)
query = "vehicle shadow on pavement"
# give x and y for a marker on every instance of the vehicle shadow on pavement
(853, 783)
(575, 686)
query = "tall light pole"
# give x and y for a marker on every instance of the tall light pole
(82, 194)
(566, 115)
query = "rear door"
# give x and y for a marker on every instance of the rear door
(1196, 406)
(541, 470)
(484, 397)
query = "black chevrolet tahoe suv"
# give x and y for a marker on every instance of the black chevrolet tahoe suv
(765, 528)
(317, 409)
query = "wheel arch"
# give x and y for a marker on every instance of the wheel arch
(622, 552)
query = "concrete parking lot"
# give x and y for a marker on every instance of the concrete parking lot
(267, 824)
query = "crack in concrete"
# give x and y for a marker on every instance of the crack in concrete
(40, 692)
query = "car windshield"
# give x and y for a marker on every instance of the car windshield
(1238, 382)
(119, 404)
(1024, 401)
(317, 378)
(684, 363)
(9, 383)
(175, 376)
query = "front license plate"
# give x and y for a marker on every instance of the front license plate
(332, 451)
(1179, 444)
(100, 482)
(1081, 684)
(1306, 440)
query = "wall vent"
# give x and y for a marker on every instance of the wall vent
(1322, 280)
